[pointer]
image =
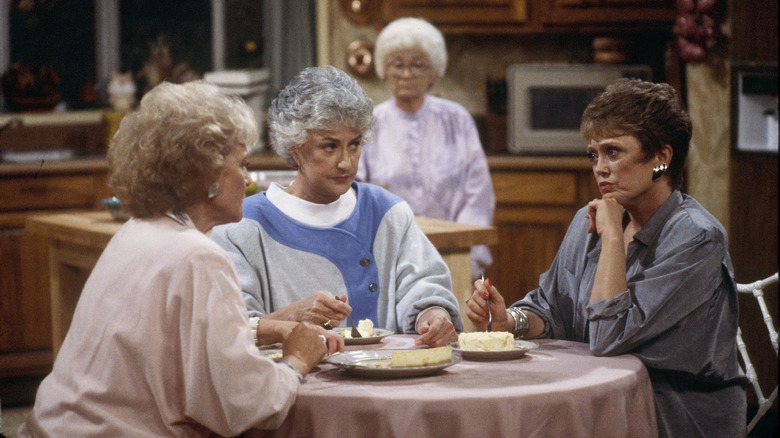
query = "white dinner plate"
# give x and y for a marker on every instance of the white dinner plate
(379, 333)
(376, 364)
(520, 348)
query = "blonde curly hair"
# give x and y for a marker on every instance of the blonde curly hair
(167, 154)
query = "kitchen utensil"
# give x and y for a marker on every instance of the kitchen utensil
(355, 331)
(490, 312)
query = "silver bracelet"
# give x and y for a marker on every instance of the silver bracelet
(292, 367)
(521, 322)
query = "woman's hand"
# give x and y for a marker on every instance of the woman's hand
(334, 340)
(606, 216)
(476, 308)
(271, 331)
(316, 309)
(435, 328)
(304, 348)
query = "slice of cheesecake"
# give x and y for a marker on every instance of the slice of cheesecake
(365, 327)
(420, 358)
(482, 341)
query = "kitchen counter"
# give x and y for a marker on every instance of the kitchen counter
(77, 239)
(268, 160)
(512, 162)
(94, 163)
(265, 159)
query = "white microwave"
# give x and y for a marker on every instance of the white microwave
(546, 102)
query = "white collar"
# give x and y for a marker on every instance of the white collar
(309, 213)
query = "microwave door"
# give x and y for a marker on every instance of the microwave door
(546, 103)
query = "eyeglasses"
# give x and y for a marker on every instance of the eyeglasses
(416, 67)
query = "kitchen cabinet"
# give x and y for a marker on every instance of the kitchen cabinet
(534, 16)
(463, 15)
(756, 40)
(25, 311)
(536, 198)
(616, 14)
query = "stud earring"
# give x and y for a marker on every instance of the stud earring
(659, 170)
(213, 191)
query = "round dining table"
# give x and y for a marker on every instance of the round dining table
(557, 390)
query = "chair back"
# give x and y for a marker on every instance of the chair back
(757, 290)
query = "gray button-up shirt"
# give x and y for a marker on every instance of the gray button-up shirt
(678, 315)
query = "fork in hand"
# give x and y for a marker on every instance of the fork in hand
(355, 332)
(490, 312)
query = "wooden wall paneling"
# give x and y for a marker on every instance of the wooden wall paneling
(753, 246)
(754, 37)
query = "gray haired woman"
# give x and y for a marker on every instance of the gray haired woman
(449, 177)
(325, 246)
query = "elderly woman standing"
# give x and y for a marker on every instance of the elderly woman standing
(426, 149)
(326, 246)
(160, 342)
(643, 270)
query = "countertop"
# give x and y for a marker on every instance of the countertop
(95, 229)
(268, 160)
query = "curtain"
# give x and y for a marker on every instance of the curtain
(288, 39)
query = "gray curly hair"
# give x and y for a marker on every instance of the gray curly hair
(405, 33)
(318, 99)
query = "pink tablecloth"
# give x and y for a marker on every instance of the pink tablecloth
(557, 390)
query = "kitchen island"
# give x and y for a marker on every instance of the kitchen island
(76, 240)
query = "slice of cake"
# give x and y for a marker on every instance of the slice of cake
(420, 358)
(365, 327)
(490, 341)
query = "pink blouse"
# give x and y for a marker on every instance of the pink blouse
(160, 345)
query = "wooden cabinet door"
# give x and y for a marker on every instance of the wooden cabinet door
(25, 302)
(617, 13)
(25, 310)
(458, 12)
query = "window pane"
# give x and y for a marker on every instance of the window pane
(244, 24)
(163, 38)
(59, 34)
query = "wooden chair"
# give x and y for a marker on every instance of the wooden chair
(757, 289)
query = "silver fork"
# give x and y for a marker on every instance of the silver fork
(355, 331)
(490, 312)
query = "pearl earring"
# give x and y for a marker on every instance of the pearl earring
(213, 191)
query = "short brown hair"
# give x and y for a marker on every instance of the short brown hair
(653, 113)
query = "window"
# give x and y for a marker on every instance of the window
(85, 42)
